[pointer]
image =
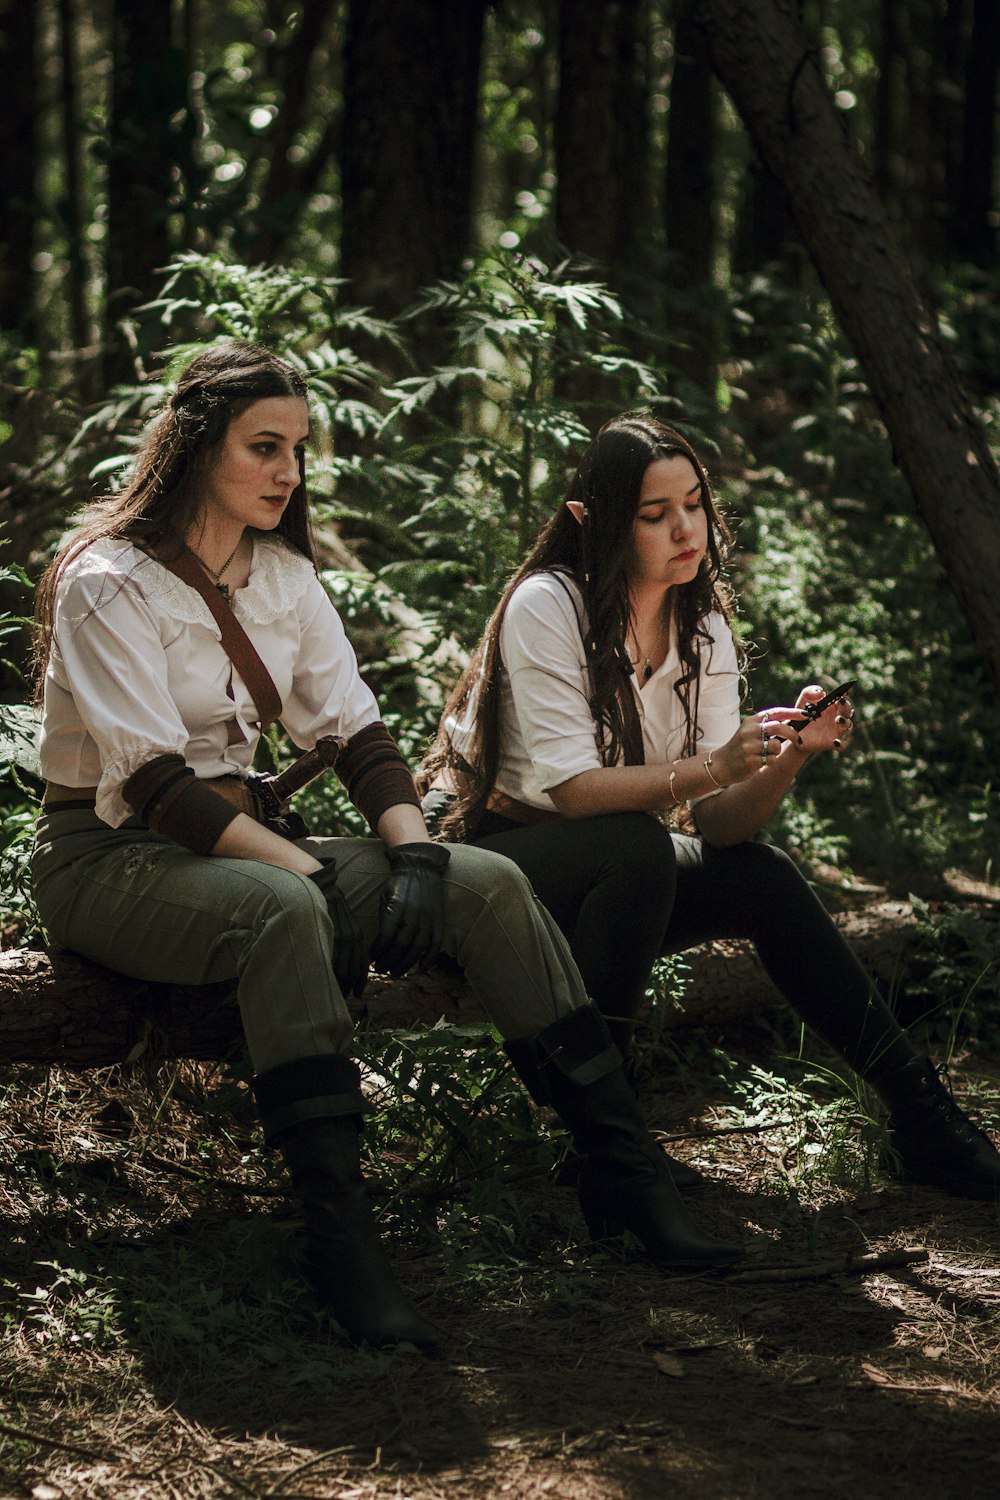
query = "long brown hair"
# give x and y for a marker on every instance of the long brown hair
(595, 554)
(162, 498)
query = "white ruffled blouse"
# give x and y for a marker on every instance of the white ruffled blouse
(137, 669)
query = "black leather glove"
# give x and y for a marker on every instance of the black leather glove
(411, 927)
(350, 964)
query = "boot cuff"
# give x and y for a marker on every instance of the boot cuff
(580, 1046)
(309, 1088)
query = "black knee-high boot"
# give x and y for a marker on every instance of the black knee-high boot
(931, 1140)
(574, 1066)
(686, 1179)
(311, 1109)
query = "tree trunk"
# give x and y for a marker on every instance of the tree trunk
(18, 152)
(761, 54)
(943, 158)
(282, 197)
(975, 230)
(411, 93)
(603, 206)
(887, 102)
(148, 92)
(73, 213)
(689, 202)
(765, 233)
(66, 1010)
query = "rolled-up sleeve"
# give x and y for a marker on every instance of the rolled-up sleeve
(719, 691)
(109, 654)
(542, 649)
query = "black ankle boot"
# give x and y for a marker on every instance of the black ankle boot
(930, 1138)
(311, 1110)
(624, 1182)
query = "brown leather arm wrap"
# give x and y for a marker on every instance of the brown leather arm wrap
(166, 795)
(374, 773)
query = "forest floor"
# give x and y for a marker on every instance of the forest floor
(155, 1342)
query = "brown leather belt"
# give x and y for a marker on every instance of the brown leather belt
(518, 811)
(80, 798)
(68, 798)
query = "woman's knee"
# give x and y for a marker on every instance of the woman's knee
(283, 901)
(767, 878)
(487, 876)
(637, 853)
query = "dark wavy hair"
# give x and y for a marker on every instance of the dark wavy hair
(595, 554)
(162, 498)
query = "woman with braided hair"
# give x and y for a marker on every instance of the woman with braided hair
(606, 691)
(182, 617)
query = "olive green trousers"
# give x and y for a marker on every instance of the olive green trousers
(144, 906)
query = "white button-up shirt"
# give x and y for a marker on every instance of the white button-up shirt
(548, 733)
(137, 669)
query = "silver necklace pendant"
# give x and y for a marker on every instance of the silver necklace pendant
(223, 590)
(647, 671)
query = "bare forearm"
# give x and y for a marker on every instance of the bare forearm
(402, 824)
(245, 839)
(648, 788)
(730, 817)
(741, 811)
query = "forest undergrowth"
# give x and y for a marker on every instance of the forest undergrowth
(155, 1337)
(156, 1340)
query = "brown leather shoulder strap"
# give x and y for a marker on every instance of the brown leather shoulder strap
(235, 642)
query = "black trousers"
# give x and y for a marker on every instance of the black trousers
(625, 892)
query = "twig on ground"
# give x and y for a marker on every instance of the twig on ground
(708, 1135)
(209, 1179)
(854, 1264)
(39, 1437)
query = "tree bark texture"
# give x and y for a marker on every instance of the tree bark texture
(689, 201)
(603, 208)
(763, 59)
(411, 89)
(975, 232)
(284, 194)
(62, 1009)
(18, 152)
(73, 213)
(690, 190)
(148, 93)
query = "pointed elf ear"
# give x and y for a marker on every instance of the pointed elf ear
(577, 510)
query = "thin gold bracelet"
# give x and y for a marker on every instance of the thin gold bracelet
(670, 787)
(711, 774)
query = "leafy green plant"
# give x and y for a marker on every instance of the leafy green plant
(72, 1308)
(828, 1134)
(955, 994)
(539, 357)
(453, 1115)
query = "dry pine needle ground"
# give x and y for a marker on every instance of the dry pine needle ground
(156, 1343)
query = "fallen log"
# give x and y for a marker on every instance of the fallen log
(59, 1008)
